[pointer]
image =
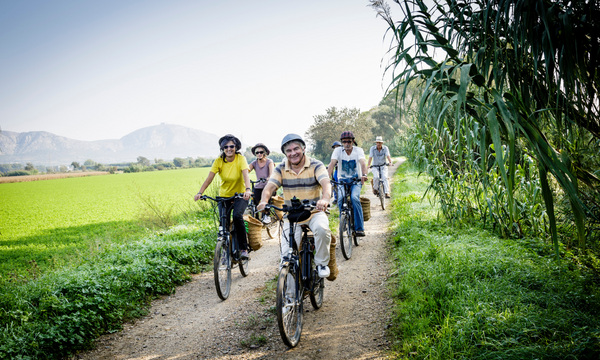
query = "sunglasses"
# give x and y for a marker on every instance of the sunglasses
(259, 152)
(228, 147)
(347, 141)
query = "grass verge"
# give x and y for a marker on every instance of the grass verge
(463, 293)
(61, 312)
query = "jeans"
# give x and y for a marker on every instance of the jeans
(238, 206)
(383, 176)
(319, 225)
(359, 224)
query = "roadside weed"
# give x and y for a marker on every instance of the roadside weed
(464, 293)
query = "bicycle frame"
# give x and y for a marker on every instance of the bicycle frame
(347, 200)
(224, 225)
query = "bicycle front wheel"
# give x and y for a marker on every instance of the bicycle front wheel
(345, 237)
(289, 307)
(222, 270)
(272, 228)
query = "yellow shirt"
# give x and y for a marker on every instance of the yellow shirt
(231, 175)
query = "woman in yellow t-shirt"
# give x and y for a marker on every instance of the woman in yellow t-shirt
(232, 168)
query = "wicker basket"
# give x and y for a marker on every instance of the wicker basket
(254, 232)
(366, 207)
(278, 201)
(333, 269)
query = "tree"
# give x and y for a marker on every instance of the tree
(63, 169)
(143, 161)
(75, 165)
(29, 166)
(179, 162)
(328, 128)
(519, 79)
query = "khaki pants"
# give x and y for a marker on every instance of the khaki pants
(319, 225)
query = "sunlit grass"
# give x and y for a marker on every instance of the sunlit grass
(56, 222)
(462, 292)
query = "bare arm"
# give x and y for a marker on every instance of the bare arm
(271, 168)
(324, 201)
(363, 166)
(269, 189)
(369, 164)
(209, 179)
(389, 159)
(331, 167)
(248, 192)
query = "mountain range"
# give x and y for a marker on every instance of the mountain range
(164, 141)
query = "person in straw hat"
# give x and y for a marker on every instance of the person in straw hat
(377, 155)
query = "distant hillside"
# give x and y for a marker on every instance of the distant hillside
(165, 141)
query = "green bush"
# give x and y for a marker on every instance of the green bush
(464, 293)
(17, 173)
(62, 312)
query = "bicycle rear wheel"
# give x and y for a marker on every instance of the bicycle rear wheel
(345, 237)
(244, 268)
(222, 270)
(381, 195)
(289, 307)
(243, 264)
(316, 294)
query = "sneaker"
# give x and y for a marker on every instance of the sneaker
(323, 271)
(387, 196)
(266, 219)
(360, 234)
(244, 254)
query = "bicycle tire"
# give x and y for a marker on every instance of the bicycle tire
(345, 237)
(381, 195)
(222, 270)
(289, 311)
(272, 229)
(244, 269)
(317, 292)
(354, 237)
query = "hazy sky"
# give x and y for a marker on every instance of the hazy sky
(92, 70)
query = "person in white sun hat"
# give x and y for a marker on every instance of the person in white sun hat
(378, 155)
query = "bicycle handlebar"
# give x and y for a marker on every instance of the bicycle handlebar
(354, 181)
(220, 199)
(261, 180)
(386, 164)
(304, 205)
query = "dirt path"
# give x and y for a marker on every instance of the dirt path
(194, 323)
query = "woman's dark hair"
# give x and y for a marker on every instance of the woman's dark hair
(227, 138)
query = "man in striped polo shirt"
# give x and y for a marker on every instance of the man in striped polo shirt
(306, 179)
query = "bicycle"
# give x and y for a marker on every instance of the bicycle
(347, 233)
(271, 226)
(298, 277)
(226, 250)
(380, 189)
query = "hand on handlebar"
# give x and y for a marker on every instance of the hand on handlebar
(322, 205)
(199, 197)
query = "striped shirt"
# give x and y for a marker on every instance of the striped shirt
(305, 185)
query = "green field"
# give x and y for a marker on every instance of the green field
(56, 222)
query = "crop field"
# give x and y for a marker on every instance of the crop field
(25, 178)
(47, 224)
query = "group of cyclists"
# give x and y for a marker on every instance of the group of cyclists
(300, 177)
(304, 180)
